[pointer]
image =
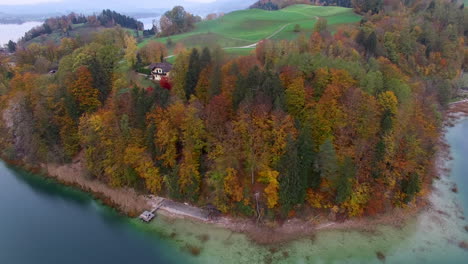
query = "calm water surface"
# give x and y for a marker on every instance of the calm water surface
(15, 31)
(43, 222)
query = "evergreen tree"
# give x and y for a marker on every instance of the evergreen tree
(344, 182)
(193, 73)
(411, 187)
(307, 158)
(371, 44)
(217, 59)
(247, 88)
(327, 162)
(11, 46)
(292, 188)
(205, 58)
(272, 88)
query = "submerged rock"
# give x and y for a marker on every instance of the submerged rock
(455, 189)
(463, 245)
(380, 255)
(194, 250)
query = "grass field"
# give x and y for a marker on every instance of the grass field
(246, 27)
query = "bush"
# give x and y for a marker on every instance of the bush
(144, 70)
(297, 28)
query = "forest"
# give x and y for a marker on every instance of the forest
(345, 122)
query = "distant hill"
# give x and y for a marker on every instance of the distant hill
(74, 25)
(123, 6)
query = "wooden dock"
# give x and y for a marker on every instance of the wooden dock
(147, 216)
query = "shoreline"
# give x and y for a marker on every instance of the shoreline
(130, 203)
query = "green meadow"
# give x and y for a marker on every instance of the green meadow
(246, 27)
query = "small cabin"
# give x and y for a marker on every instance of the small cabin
(147, 216)
(160, 70)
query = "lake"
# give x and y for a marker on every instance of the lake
(44, 222)
(148, 21)
(15, 31)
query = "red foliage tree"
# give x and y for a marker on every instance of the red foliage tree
(149, 89)
(165, 83)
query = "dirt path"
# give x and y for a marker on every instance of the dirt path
(256, 43)
(269, 37)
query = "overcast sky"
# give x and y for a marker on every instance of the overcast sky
(41, 7)
(29, 2)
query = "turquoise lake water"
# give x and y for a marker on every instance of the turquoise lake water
(44, 222)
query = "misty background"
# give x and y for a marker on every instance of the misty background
(140, 8)
(18, 17)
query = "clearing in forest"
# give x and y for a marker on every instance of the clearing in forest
(242, 29)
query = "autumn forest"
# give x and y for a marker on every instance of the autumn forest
(346, 119)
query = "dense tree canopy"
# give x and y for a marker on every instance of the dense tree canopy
(177, 21)
(64, 24)
(346, 122)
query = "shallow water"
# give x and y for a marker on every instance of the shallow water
(148, 21)
(431, 238)
(15, 31)
(45, 222)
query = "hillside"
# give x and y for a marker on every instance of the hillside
(84, 31)
(338, 126)
(73, 25)
(246, 27)
(279, 4)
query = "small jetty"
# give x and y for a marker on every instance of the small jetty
(147, 216)
(207, 213)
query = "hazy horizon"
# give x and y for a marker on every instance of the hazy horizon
(34, 7)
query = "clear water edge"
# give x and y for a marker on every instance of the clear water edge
(432, 237)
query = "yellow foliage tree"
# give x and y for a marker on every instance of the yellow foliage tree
(358, 199)
(178, 74)
(270, 177)
(167, 133)
(130, 50)
(193, 140)
(137, 158)
(203, 85)
(389, 102)
(295, 97)
(232, 187)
